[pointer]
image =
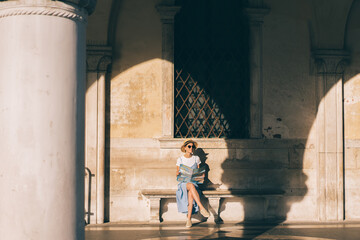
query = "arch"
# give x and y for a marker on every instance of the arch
(329, 32)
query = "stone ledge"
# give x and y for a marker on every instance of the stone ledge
(170, 193)
(174, 143)
(214, 197)
(53, 8)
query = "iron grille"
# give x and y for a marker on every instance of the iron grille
(211, 70)
(197, 114)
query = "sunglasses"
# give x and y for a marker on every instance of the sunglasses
(191, 146)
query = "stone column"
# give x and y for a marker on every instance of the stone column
(256, 20)
(270, 207)
(155, 209)
(214, 204)
(167, 15)
(42, 87)
(329, 85)
(98, 60)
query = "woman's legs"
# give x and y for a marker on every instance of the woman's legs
(190, 205)
(195, 195)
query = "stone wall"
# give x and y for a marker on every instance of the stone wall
(289, 106)
(136, 72)
(287, 158)
(352, 117)
(138, 153)
(234, 164)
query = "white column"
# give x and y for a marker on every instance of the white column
(167, 15)
(98, 59)
(256, 19)
(330, 68)
(42, 86)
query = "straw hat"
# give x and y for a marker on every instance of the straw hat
(186, 143)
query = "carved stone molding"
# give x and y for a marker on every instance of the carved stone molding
(45, 10)
(255, 17)
(330, 61)
(98, 58)
(256, 14)
(167, 13)
(330, 66)
(89, 5)
(256, 3)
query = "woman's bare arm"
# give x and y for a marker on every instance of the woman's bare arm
(177, 170)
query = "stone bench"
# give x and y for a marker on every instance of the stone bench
(214, 197)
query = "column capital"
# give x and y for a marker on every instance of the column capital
(167, 13)
(331, 61)
(43, 8)
(17, 7)
(89, 5)
(256, 14)
(98, 58)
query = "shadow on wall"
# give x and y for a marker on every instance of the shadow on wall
(270, 165)
(88, 180)
(207, 182)
(273, 174)
(216, 57)
(107, 148)
(267, 171)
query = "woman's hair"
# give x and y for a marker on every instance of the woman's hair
(186, 143)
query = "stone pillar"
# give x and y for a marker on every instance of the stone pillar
(214, 204)
(167, 15)
(329, 85)
(42, 87)
(155, 209)
(271, 208)
(256, 19)
(98, 60)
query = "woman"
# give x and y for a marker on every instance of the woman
(187, 195)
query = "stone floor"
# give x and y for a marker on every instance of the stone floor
(308, 231)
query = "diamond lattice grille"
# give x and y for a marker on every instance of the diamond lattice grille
(211, 70)
(197, 114)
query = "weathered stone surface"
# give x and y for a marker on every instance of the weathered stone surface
(302, 149)
(352, 177)
(135, 162)
(170, 213)
(352, 203)
(139, 158)
(304, 208)
(123, 208)
(352, 158)
(233, 210)
(287, 112)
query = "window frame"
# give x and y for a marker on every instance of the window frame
(256, 19)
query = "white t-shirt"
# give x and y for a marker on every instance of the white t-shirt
(188, 161)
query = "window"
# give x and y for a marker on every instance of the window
(211, 58)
